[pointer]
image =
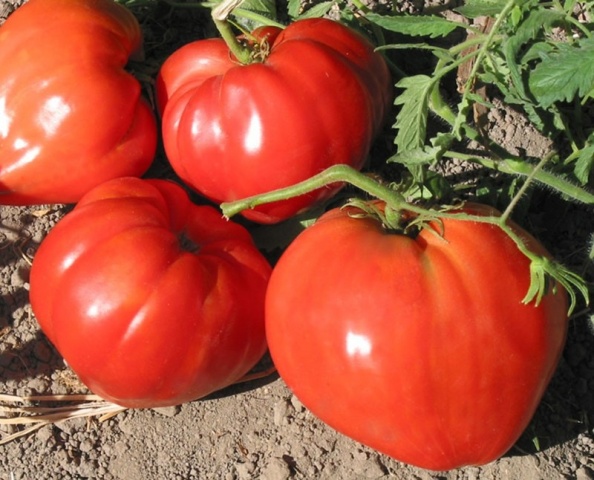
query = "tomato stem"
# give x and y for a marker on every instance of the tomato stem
(334, 174)
(220, 15)
(541, 268)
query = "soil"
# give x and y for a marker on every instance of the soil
(259, 430)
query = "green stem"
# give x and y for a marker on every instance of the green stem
(540, 267)
(524, 188)
(522, 168)
(220, 14)
(334, 174)
(482, 52)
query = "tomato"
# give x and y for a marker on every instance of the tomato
(317, 98)
(151, 300)
(71, 117)
(420, 348)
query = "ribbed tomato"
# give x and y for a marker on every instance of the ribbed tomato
(151, 300)
(315, 96)
(418, 347)
(71, 117)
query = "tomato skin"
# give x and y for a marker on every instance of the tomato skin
(419, 348)
(71, 117)
(232, 131)
(142, 321)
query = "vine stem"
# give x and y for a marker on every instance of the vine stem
(514, 201)
(220, 15)
(540, 267)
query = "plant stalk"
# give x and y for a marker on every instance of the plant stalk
(540, 267)
(220, 15)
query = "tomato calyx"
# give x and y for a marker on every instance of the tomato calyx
(247, 48)
(394, 220)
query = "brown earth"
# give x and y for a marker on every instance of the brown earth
(260, 430)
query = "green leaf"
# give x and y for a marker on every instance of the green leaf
(480, 8)
(415, 25)
(584, 164)
(417, 156)
(529, 29)
(564, 74)
(294, 8)
(411, 121)
(261, 8)
(318, 10)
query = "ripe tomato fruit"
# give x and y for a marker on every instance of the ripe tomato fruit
(419, 347)
(71, 117)
(316, 97)
(151, 300)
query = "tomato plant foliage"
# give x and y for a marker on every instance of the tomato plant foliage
(141, 320)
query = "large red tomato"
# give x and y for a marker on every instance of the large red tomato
(151, 299)
(316, 97)
(71, 117)
(418, 347)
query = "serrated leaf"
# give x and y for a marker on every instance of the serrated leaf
(481, 8)
(318, 10)
(411, 121)
(584, 164)
(417, 156)
(415, 25)
(564, 74)
(294, 8)
(529, 29)
(263, 8)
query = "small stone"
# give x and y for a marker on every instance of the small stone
(277, 469)
(244, 470)
(168, 411)
(584, 473)
(297, 405)
(281, 410)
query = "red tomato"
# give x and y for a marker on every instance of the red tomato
(230, 131)
(71, 117)
(151, 299)
(418, 347)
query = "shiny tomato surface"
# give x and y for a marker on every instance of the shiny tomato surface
(151, 300)
(71, 117)
(418, 347)
(316, 96)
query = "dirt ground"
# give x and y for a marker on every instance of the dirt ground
(259, 430)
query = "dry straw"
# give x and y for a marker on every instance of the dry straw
(34, 412)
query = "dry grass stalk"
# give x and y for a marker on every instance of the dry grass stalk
(41, 410)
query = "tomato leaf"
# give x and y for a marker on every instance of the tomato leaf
(479, 8)
(417, 156)
(418, 25)
(528, 30)
(294, 8)
(261, 8)
(411, 121)
(318, 10)
(564, 74)
(584, 164)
